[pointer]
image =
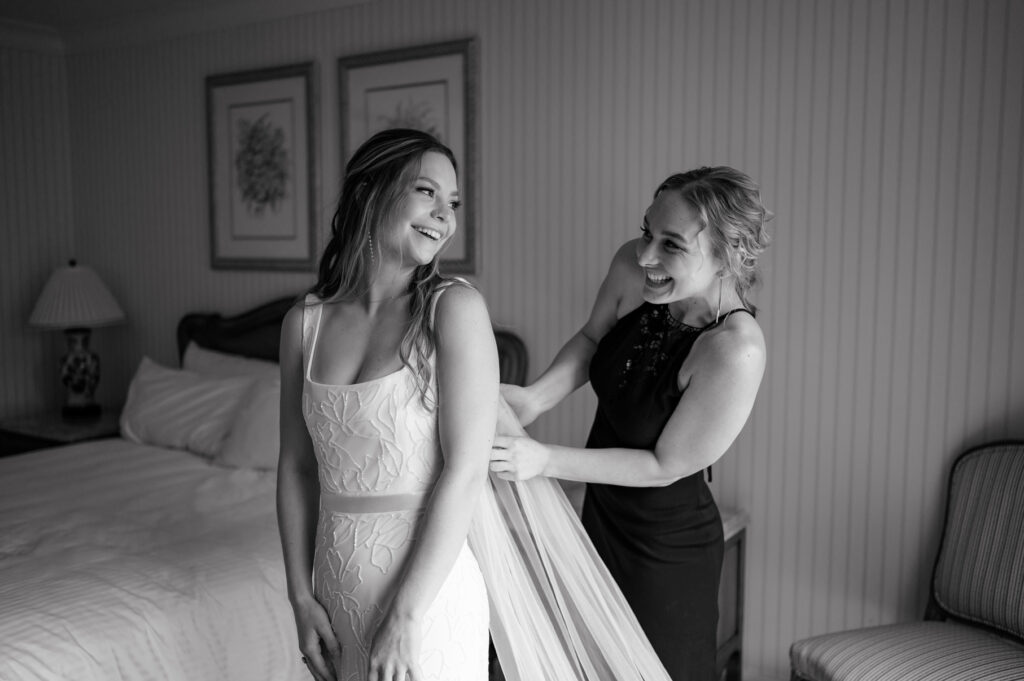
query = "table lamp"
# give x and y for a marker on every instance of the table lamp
(75, 300)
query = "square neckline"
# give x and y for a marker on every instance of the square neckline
(308, 369)
(312, 351)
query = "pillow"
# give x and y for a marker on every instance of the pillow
(215, 363)
(181, 409)
(254, 439)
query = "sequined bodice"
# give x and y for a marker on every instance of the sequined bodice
(635, 375)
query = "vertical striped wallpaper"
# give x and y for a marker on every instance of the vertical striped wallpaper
(35, 220)
(886, 134)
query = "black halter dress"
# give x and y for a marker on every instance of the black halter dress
(663, 545)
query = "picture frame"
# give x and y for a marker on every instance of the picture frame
(427, 87)
(261, 151)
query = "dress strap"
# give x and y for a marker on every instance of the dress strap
(441, 288)
(729, 314)
(312, 311)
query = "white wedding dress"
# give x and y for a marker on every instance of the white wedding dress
(556, 614)
(379, 456)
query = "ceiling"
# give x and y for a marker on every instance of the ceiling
(65, 15)
(83, 24)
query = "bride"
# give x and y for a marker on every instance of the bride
(400, 552)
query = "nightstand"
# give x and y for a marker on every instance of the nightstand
(730, 595)
(37, 431)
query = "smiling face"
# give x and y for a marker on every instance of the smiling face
(675, 253)
(424, 220)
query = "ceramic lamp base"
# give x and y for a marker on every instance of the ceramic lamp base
(80, 373)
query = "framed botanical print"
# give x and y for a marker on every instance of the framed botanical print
(261, 153)
(430, 88)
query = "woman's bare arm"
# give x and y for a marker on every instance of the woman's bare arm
(722, 378)
(298, 494)
(467, 375)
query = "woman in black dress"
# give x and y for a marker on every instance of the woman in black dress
(675, 357)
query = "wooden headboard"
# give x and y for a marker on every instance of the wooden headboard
(257, 333)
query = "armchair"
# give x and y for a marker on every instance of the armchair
(973, 627)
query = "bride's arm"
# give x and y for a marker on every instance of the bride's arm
(467, 376)
(298, 494)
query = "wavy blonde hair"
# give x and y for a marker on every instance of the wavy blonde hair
(376, 177)
(728, 205)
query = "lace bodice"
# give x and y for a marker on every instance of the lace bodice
(379, 456)
(373, 437)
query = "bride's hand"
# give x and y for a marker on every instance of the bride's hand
(518, 458)
(321, 652)
(395, 651)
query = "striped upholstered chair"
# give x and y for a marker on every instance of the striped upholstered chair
(974, 624)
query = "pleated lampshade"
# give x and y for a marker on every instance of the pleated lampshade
(74, 297)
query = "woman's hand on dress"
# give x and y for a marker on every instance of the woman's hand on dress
(320, 649)
(522, 403)
(518, 458)
(395, 651)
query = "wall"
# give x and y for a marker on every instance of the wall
(887, 138)
(35, 219)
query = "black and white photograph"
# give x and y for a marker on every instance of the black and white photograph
(512, 340)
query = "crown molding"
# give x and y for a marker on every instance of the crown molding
(30, 37)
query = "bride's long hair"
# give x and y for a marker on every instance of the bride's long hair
(376, 177)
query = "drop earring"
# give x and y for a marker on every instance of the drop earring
(718, 312)
(373, 259)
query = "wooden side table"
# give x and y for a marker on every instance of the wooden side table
(23, 434)
(730, 595)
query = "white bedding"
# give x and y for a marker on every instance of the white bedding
(121, 561)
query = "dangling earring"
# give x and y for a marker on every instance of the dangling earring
(718, 312)
(373, 260)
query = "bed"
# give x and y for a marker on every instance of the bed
(155, 555)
